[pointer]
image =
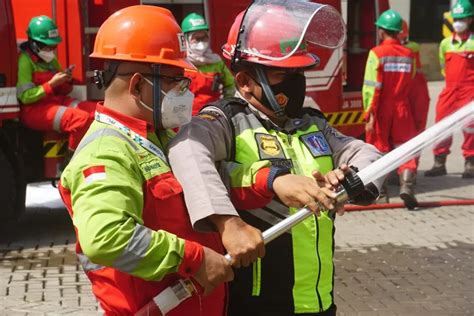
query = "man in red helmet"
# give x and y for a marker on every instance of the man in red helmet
(273, 156)
(134, 238)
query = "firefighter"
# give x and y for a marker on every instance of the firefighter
(272, 154)
(456, 55)
(43, 85)
(212, 80)
(388, 80)
(133, 235)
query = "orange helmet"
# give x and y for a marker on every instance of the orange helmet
(142, 33)
(405, 33)
(275, 33)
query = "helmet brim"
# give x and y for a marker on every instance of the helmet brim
(179, 62)
(49, 41)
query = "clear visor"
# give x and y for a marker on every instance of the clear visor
(277, 29)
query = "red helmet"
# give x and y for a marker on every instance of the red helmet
(276, 34)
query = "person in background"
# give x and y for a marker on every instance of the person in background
(43, 86)
(212, 80)
(134, 238)
(388, 80)
(456, 56)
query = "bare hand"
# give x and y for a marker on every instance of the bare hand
(332, 180)
(59, 78)
(214, 270)
(300, 191)
(243, 242)
(369, 126)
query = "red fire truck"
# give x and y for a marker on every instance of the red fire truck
(27, 156)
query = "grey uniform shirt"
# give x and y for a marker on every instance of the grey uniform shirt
(198, 147)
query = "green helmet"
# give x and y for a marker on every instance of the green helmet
(194, 22)
(43, 29)
(462, 9)
(390, 20)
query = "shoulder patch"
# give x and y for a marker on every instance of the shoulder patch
(316, 144)
(268, 146)
(94, 173)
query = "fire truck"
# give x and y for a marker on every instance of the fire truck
(27, 156)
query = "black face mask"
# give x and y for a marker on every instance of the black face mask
(292, 91)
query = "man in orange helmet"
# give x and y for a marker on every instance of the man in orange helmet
(274, 156)
(134, 238)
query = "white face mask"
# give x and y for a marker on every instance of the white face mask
(176, 107)
(459, 26)
(46, 55)
(199, 47)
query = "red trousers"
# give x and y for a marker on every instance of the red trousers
(60, 114)
(394, 125)
(451, 99)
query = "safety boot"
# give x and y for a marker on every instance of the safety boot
(468, 168)
(407, 191)
(439, 167)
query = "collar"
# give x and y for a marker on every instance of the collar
(457, 38)
(391, 41)
(140, 127)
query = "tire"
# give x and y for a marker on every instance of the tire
(12, 190)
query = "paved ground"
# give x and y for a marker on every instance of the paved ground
(390, 262)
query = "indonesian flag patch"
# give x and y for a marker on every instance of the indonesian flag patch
(94, 173)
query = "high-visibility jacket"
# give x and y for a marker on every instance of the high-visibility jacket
(295, 276)
(419, 96)
(209, 83)
(388, 78)
(47, 109)
(134, 237)
(457, 65)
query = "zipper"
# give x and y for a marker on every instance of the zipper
(319, 265)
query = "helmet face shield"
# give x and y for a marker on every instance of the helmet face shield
(278, 29)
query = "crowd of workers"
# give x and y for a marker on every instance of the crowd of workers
(151, 206)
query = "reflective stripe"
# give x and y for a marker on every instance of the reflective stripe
(57, 118)
(88, 265)
(135, 250)
(103, 132)
(74, 104)
(256, 273)
(22, 88)
(396, 59)
(397, 67)
(371, 83)
(468, 130)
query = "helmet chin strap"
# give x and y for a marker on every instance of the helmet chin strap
(156, 99)
(262, 77)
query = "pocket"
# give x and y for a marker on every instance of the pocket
(165, 186)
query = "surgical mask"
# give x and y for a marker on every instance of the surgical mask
(176, 106)
(46, 55)
(289, 93)
(459, 26)
(199, 47)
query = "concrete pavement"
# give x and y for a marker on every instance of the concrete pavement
(388, 262)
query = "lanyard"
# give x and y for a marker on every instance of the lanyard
(140, 140)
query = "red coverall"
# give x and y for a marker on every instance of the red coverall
(457, 64)
(388, 80)
(48, 109)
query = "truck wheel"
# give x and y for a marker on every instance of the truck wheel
(12, 197)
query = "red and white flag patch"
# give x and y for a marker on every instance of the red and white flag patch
(94, 173)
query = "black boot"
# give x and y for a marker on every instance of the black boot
(439, 167)
(468, 168)
(407, 192)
